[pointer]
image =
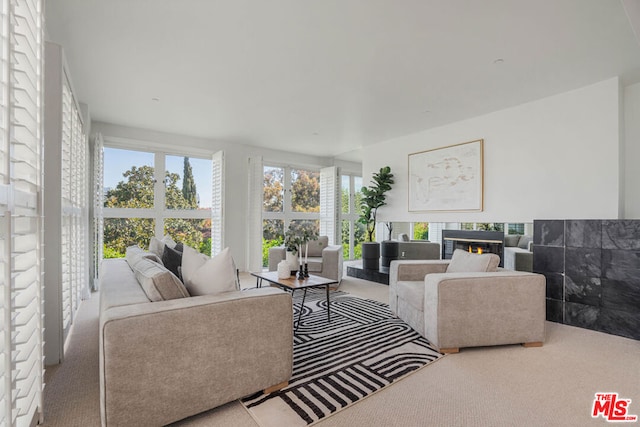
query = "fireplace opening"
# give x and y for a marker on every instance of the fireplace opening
(477, 242)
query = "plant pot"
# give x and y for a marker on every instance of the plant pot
(292, 260)
(388, 252)
(370, 255)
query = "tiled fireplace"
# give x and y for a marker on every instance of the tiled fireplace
(593, 273)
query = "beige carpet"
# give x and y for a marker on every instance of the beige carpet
(552, 385)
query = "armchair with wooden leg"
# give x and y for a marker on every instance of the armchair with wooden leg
(468, 302)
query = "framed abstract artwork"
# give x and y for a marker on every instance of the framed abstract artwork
(447, 179)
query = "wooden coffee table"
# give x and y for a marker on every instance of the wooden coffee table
(293, 284)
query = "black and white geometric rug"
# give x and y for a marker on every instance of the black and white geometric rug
(336, 364)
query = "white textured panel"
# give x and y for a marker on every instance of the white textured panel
(254, 220)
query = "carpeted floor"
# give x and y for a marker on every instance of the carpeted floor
(553, 385)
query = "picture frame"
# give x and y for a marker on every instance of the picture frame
(447, 179)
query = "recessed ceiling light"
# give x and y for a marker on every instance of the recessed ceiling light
(498, 61)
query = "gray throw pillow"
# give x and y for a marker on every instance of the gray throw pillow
(157, 282)
(523, 243)
(134, 253)
(511, 240)
(157, 245)
(466, 262)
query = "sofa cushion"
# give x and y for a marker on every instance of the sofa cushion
(204, 275)
(133, 253)
(314, 264)
(524, 241)
(317, 246)
(172, 259)
(466, 262)
(158, 282)
(118, 285)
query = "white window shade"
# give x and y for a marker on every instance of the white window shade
(5, 271)
(21, 352)
(329, 204)
(66, 237)
(217, 203)
(254, 221)
(98, 203)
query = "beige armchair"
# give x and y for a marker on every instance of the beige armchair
(455, 310)
(323, 259)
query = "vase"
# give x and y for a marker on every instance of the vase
(284, 272)
(292, 260)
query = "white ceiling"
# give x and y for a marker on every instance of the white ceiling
(330, 77)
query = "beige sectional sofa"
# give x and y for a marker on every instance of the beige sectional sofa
(467, 309)
(163, 361)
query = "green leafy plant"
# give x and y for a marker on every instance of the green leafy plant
(298, 234)
(373, 197)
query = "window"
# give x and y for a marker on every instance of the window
(420, 231)
(128, 179)
(482, 226)
(353, 232)
(515, 228)
(188, 183)
(150, 194)
(288, 195)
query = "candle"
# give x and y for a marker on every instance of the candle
(306, 253)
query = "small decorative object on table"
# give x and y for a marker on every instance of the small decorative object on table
(284, 271)
(306, 270)
(301, 273)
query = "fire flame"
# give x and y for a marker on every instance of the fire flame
(478, 250)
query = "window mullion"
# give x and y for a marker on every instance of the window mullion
(286, 208)
(159, 193)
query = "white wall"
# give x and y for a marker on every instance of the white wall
(236, 168)
(552, 158)
(632, 151)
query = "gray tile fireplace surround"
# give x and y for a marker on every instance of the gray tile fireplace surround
(593, 273)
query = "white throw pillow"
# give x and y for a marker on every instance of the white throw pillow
(203, 275)
(465, 262)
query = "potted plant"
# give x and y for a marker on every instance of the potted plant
(373, 197)
(298, 236)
